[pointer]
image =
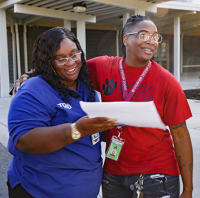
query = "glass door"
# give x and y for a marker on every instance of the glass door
(161, 55)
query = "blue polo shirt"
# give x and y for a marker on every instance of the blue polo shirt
(71, 172)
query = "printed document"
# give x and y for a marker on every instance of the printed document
(139, 114)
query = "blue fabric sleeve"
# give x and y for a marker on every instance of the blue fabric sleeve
(27, 112)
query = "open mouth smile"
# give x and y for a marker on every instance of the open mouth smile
(71, 71)
(147, 50)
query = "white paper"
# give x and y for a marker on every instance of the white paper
(140, 114)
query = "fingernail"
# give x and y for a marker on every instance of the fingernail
(111, 120)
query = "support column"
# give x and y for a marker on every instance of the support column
(4, 66)
(81, 34)
(177, 48)
(14, 53)
(125, 17)
(117, 42)
(140, 12)
(67, 24)
(181, 53)
(25, 49)
(18, 50)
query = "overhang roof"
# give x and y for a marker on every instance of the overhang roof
(101, 12)
(96, 8)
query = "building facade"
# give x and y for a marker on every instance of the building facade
(98, 30)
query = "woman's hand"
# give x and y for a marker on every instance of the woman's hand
(19, 81)
(43, 140)
(88, 126)
(186, 194)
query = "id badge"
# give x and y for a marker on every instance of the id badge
(95, 138)
(115, 148)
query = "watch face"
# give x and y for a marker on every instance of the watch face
(74, 132)
(76, 135)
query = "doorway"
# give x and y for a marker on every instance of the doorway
(161, 55)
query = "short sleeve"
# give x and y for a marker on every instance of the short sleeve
(27, 112)
(92, 65)
(176, 108)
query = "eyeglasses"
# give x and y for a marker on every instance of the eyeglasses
(144, 36)
(73, 58)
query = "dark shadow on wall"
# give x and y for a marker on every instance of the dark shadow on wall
(98, 43)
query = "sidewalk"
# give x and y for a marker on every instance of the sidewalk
(192, 123)
(194, 129)
(5, 157)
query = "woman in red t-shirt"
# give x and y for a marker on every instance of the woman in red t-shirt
(148, 164)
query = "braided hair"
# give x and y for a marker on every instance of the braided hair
(44, 49)
(130, 24)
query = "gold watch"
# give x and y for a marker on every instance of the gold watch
(74, 132)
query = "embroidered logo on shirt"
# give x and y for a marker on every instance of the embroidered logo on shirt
(109, 86)
(64, 105)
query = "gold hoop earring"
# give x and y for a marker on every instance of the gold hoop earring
(54, 71)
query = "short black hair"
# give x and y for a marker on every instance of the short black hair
(130, 23)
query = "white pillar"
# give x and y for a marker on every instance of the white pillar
(81, 34)
(25, 49)
(125, 17)
(67, 24)
(4, 74)
(181, 53)
(177, 48)
(117, 42)
(140, 12)
(14, 53)
(18, 50)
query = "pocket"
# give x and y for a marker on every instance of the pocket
(161, 186)
(112, 182)
(114, 186)
(172, 186)
(112, 179)
(154, 186)
(105, 186)
(172, 182)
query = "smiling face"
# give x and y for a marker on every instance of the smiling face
(70, 71)
(138, 52)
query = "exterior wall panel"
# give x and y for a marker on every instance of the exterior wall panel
(99, 42)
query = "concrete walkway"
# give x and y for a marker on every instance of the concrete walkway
(193, 125)
(194, 129)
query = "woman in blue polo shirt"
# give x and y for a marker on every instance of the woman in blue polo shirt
(54, 151)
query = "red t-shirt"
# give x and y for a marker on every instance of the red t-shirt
(146, 150)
